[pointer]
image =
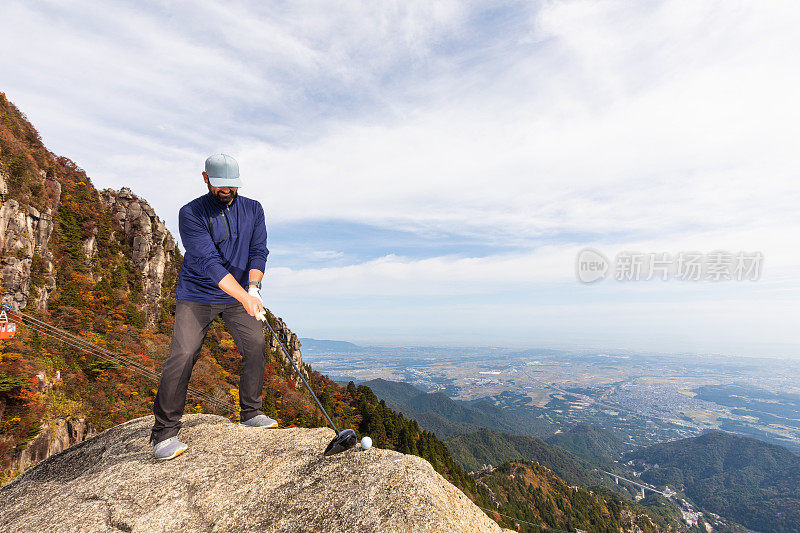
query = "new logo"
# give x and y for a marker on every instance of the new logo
(591, 265)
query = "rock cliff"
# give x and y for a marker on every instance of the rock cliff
(233, 479)
(56, 435)
(153, 248)
(24, 236)
(292, 344)
(27, 263)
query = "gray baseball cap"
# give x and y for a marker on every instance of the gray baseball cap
(223, 171)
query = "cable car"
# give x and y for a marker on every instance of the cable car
(7, 329)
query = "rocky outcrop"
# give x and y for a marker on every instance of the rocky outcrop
(628, 522)
(45, 384)
(292, 344)
(152, 245)
(56, 435)
(233, 479)
(24, 237)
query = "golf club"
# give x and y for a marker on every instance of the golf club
(344, 439)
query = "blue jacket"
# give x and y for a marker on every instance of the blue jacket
(219, 239)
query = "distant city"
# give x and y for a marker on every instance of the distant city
(645, 399)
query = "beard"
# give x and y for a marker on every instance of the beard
(221, 196)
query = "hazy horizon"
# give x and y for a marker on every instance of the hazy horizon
(563, 347)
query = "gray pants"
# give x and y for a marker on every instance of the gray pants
(192, 320)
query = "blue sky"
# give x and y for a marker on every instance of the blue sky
(431, 169)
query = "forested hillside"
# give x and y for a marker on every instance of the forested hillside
(447, 417)
(591, 443)
(474, 446)
(532, 493)
(485, 447)
(753, 482)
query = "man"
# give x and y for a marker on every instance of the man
(225, 238)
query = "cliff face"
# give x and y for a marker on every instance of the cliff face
(233, 479)
(153, 248)
(25, 234)
(24, 237)
(59, 237)
(292, 344)
(56, 435)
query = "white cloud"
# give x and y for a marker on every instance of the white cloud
(327, 254)
(695, 134)
(604, 117)
(545, 266)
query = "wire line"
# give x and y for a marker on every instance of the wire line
(85, 345)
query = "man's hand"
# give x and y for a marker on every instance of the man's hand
(253, 305)
(254, 291)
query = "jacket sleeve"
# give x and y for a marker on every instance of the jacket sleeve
(258, 244)
(197, 240)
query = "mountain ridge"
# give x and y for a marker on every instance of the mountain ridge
(324, 345)
(486, 447)
(447, 417)
(591, 443)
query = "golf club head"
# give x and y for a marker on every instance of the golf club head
(345, 440)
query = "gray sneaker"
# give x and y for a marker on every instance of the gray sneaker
(169, 449)
(259, 421)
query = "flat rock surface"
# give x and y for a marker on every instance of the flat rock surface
(233, 479)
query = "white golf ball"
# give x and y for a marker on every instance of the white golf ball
(366, 443)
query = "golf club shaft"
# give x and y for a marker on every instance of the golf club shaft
(286, 353)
